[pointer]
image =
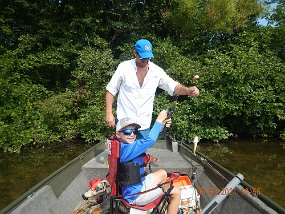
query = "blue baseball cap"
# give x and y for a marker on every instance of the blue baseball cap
(144, 48)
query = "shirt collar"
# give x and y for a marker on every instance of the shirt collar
(135, 65)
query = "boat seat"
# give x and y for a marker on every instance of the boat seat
(117, 201)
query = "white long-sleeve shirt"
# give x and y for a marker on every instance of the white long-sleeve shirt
(134, 101)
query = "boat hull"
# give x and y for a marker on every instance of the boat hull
(61, 191)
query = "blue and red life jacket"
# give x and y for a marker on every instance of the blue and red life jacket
(125, 174)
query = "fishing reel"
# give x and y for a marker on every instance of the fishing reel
(169, 112)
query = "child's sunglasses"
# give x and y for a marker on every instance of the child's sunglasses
(130, 131)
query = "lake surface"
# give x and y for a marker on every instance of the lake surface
(20, 172)
(262, 164)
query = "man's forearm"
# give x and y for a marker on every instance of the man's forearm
(109, 102)
(183, 90)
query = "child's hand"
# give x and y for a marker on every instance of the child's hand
(161, 116)
(167, 122)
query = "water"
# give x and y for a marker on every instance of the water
(261, 162)
(19, 173)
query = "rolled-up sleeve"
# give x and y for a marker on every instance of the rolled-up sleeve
(167, 83)
(115, 82)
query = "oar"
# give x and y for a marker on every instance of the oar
(223, 194)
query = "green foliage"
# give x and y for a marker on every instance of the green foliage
(58, 115)
(241, 93)
(95, 66)
(192, 116)
(247, 89)
(56, 59)
(20, 120)
(215, 16)
(204, 25)
(91, 123)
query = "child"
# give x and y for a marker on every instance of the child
(131, 172)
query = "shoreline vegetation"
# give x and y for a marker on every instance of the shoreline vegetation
(56, 61)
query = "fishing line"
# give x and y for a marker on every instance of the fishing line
(174, 102)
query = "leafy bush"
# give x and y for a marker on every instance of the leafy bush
(55, 64)
(91, 124)
(20, 120)
(246, 84)
(95, 68)
(58, 115)
(240, 94)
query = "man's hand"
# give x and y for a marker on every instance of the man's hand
(110, 120)
(183, 90)
(194, 91)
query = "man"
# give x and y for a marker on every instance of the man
(136, 80)
(131, 171)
